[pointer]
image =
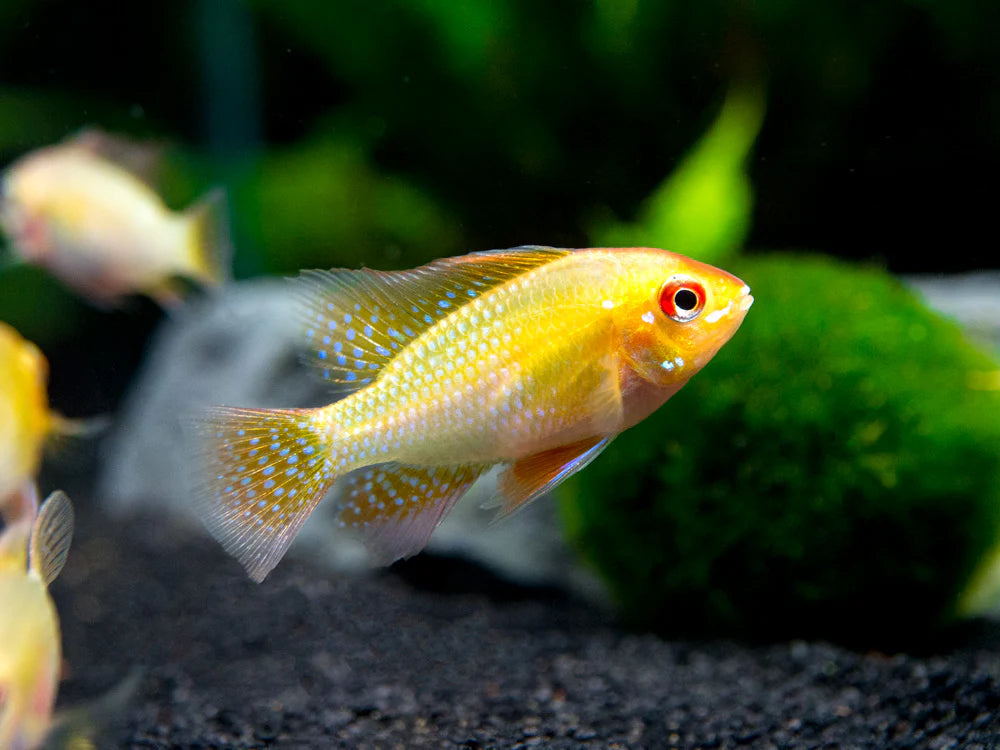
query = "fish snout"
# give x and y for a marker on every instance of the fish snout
(745, 299)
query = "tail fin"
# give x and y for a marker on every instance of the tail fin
(65, 433)
(265, 471)
(209, 255)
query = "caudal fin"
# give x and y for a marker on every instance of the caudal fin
(209, 251)
(264, 472)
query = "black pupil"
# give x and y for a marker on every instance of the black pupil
(685, 300)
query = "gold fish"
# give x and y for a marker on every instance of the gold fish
(28, 423)
(33, 551)
(24, 414)
(81, 211)
(533, 359)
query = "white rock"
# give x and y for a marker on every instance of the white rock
(972, 299)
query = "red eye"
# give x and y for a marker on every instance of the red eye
(682, 299)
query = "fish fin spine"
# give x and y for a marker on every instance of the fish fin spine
(265, 470)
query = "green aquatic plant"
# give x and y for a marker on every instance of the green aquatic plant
(834, 471)
(703, 208)
(323, 204)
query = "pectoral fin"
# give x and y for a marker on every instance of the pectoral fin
(51, 537)
(529, 477)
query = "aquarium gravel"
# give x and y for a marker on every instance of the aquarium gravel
(310, 659)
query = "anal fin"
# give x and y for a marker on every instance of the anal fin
(396, 507)
(534, 475)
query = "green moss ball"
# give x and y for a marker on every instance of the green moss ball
(834, 471)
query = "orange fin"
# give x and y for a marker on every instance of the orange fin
(265, 471)
(397, 507)
(356, 321)
(534, 475)
(51, 537)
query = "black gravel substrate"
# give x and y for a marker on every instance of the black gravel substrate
(314, 660)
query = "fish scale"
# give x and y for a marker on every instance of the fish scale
(530, 358)
(459, 386)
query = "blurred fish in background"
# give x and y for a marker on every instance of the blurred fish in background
(27, 421)
(33, 550)
(84, 210)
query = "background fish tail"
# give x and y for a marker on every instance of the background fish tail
(209, 255)
(265, 471)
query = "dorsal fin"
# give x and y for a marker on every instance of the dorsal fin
(140, 159)
(357, 321)
(51, 537)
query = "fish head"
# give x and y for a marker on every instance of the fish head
(675, 313)
(38, 201)
(25, 190)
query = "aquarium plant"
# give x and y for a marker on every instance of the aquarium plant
(835, 470)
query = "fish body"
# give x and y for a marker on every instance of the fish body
(530, 358)
(24, 413)
(102, 230)
(33, 551)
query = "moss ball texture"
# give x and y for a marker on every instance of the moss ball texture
(834, 471)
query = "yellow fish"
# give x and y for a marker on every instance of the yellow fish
(532, 359)
(78, 210)
(32, 553)
(24, 414)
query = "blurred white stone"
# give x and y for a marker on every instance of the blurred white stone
(972, 299)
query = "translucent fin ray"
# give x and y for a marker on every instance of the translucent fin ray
(266, 470)
(356, 321)
(51, 536)
(395, 507)
(533, 476)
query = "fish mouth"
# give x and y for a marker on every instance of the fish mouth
(746, 299)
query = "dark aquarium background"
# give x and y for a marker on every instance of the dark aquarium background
(389, 133)
(397, 130)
